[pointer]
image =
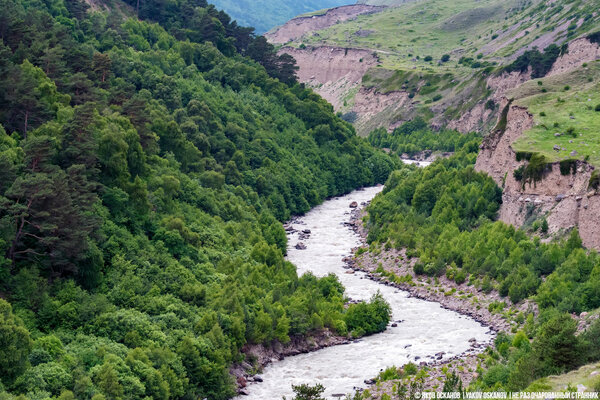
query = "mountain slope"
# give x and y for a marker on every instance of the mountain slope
(459, 65)
(473, 38)
(145, 166)
(267, 14)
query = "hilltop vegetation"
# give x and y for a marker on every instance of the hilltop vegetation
(144, 169)
(566, 110)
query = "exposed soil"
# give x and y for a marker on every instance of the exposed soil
(372, 106)
(564, 200)
(324, 64)
(298, 27)
(580, 51)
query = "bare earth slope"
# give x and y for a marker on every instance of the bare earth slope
(299, 26)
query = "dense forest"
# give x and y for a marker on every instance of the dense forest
(415, 136)
(145, 166)
(445, 215)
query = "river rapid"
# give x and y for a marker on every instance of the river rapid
(425, 328)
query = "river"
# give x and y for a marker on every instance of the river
(425, 330)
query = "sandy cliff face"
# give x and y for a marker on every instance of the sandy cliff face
(298, 27)
(580, 51)
(325, 64)
(564, 199)
(335, 72)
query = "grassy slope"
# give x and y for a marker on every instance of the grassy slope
(557, 383)
(424, 28)
(497, 29)
(491, 32)
(558, 110)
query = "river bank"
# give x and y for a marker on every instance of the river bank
(317, 243)
(394, 268)
(259, 356)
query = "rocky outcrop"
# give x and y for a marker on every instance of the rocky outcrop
(476, 118)
(298, 27)
(580, 51)
(564, 199)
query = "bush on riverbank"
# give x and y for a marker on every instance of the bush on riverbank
(368, 318)
(444, 215)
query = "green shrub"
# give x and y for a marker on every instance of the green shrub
(540, 62)
(388, 374)
(410, 369)
(368, 318)
(523, 155)
(535, 169)
(594, 180)
(419, 268)
(518, 173)
(597, 108)
(544, 226)
(460, 277)
(568, 167)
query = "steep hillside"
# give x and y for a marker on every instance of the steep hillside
(545, 151)
(267, 14)
(525, 71)
(442, 54)
(297, 27)
(145, 168)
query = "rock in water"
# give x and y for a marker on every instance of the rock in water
(301, 246)
(354, 205)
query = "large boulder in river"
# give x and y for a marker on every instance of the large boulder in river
(353, 204)
(301, 246)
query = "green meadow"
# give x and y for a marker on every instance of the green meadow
(564, 110)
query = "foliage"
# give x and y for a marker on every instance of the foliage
(16, 344)
(444, 213)
(415, 136)
(368, 318)
(554, 349)
(307, 392)
(145, 169)
(540, 63)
